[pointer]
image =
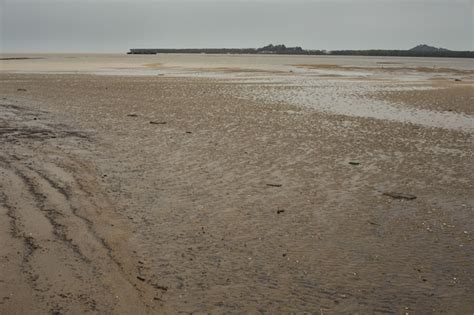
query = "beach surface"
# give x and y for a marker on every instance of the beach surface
(167, 184)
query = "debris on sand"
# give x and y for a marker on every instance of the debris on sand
(158, 122)
(274, 185)
(457, 80)
(160, 287)
(397, 195)
(354, 163)
(280, 211)
(132, 115)
(140, 278)
(21, 90)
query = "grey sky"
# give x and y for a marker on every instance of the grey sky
(116, 26)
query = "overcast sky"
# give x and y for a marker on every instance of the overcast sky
(116, 26)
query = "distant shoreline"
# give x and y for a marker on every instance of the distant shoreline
(418, 51)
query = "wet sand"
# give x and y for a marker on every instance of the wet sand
(124, 194)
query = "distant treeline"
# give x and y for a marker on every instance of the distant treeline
(403, 53)
(270, 49)
(419, 51)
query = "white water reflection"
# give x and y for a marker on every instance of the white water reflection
(351, 98)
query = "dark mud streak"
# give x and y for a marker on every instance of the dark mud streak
(23, 110)
(89, 223)
(59, 230)
(11, 106)
(15, 225)
(65, 191)
(11, 131)
(13, 134)
(29, 243)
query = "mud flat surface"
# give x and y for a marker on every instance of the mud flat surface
(123, 194)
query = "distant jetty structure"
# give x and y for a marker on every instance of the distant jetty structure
(418, 51)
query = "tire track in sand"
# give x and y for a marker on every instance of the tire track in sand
(53, 257)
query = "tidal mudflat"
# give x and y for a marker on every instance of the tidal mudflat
(166, 184)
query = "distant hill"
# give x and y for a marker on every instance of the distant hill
(428, 49)
(280, 49)
(422, 50)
